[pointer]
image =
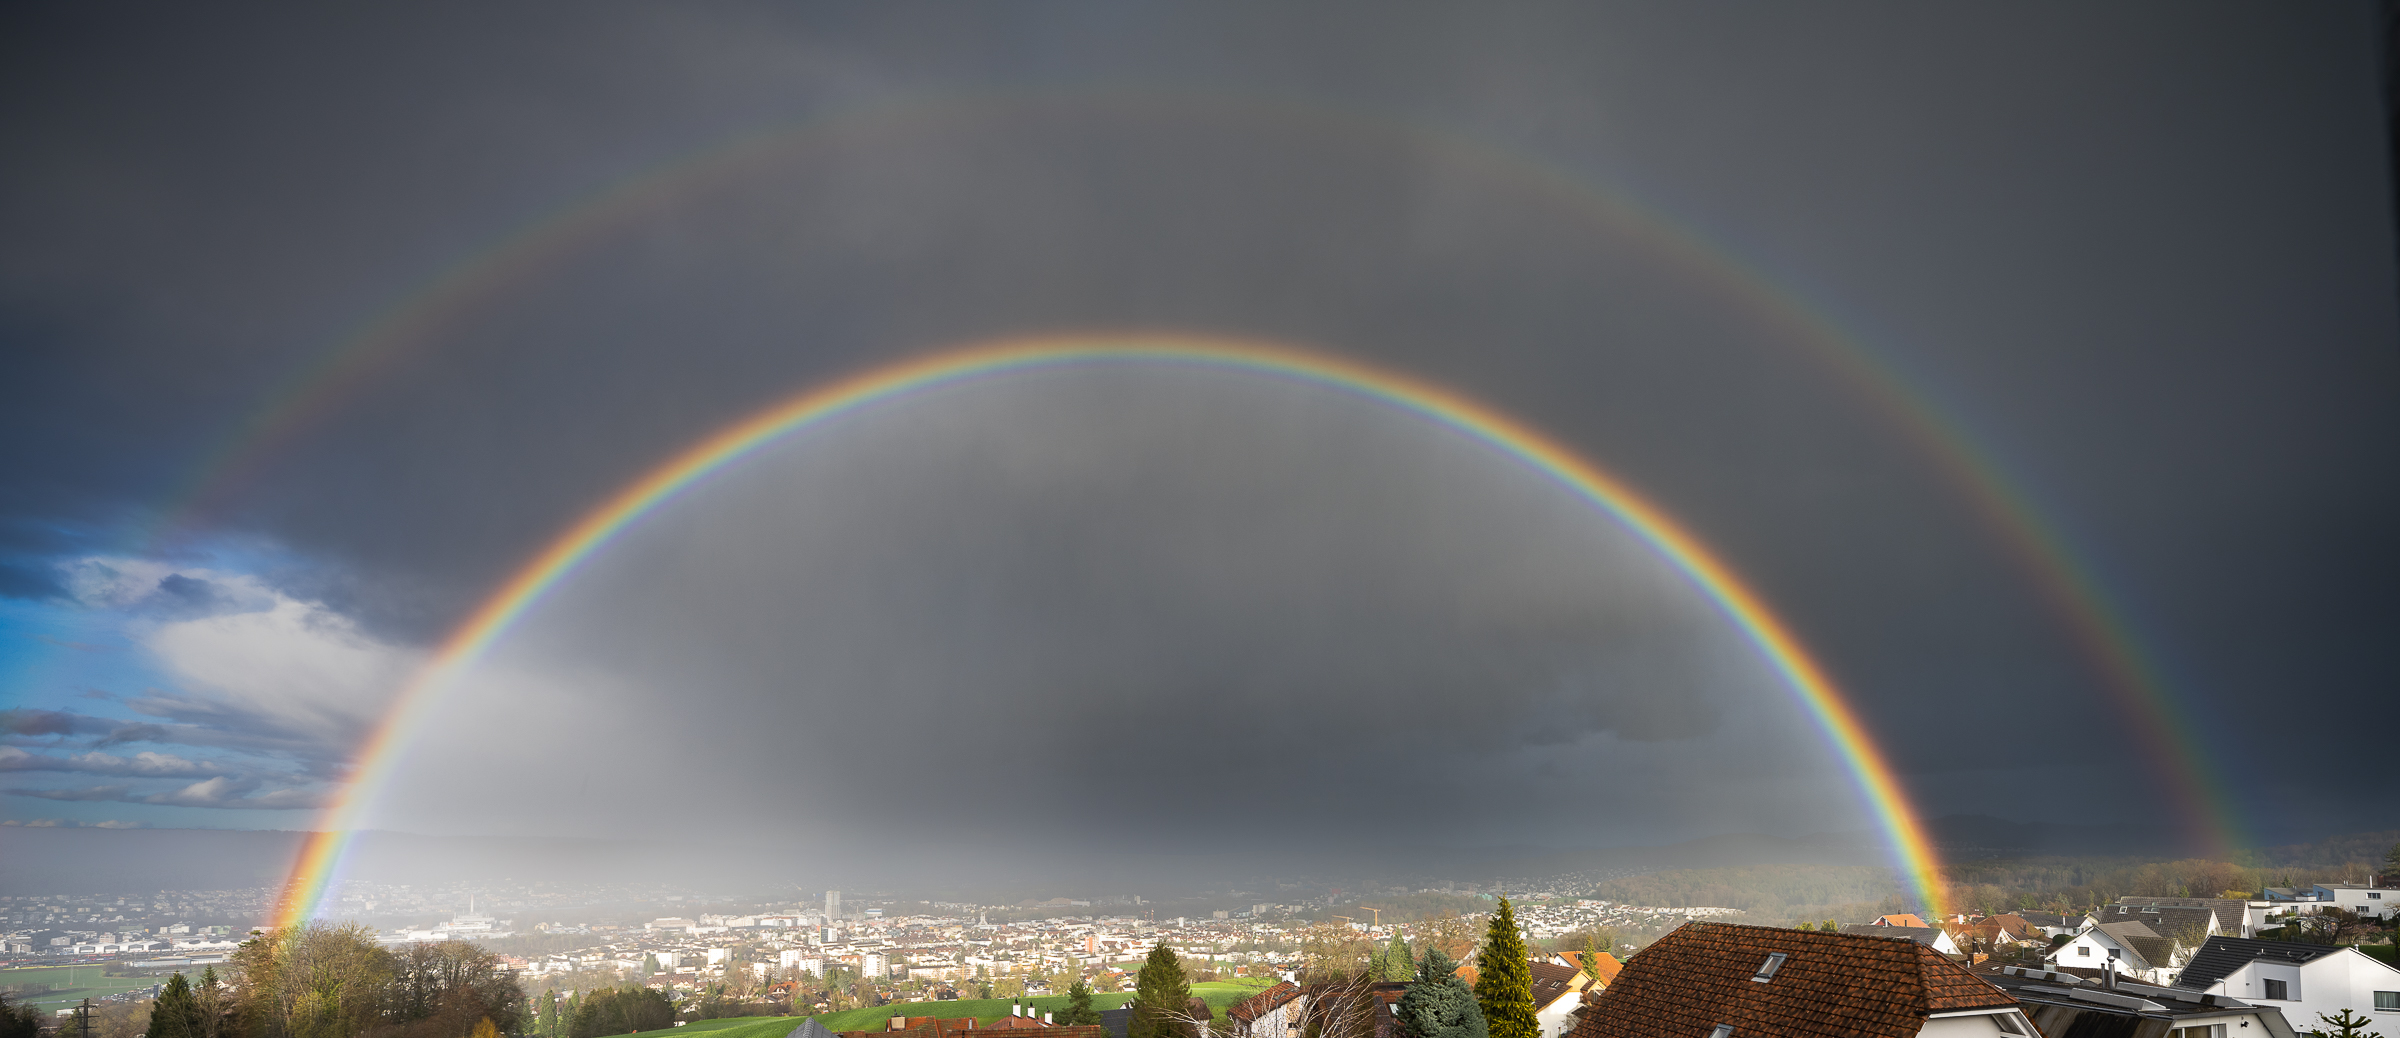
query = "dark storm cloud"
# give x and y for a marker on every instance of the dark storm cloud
(2143, 252)
(1054, 601)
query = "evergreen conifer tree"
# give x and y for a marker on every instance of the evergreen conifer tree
(1160, 994)
(1079, 1011)
(1504, 978)
(1437, 1004)
(1397, 964)
(176, 1014)
(1598, 943)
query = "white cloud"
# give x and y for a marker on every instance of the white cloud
(147, 764)
(308, 667)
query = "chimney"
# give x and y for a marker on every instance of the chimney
(1045, 1018)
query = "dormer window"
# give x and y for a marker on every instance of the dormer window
(1766, 972)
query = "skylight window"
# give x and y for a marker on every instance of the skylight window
(1767, 972)
(1722, 1031)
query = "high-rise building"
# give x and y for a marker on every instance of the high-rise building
(833, 906)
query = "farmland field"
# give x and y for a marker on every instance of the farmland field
(69, 983)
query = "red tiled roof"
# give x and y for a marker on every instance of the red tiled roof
(1258, 1005)
(1833, 986)
(1901, 919)
(1608, 969)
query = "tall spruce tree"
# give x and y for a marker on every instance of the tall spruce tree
(176, 1014)
(1504, 978)
(1396, 964)
(1079, 1011)
(1437, 1003)
(1160, 997)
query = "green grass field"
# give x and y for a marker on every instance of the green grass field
(1218, 995)
(733, 1027)
(69, 983)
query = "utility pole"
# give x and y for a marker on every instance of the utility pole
(83, 1018)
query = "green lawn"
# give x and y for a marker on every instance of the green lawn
(70, 983)
(734, 1027)
(1218, 995)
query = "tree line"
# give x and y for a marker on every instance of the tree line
(1346, 984)
(331, 980)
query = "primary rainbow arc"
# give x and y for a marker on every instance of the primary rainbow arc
(321, 856)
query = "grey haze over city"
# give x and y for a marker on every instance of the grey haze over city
(1810, 279)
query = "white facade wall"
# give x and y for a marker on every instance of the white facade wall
(2379, 902)
(1558, 1017)
(2089, 950)
(1979, 1024)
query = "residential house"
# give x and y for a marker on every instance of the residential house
(2128, 947)
(2304, 980)
(1273, 1013)
(2235, 917)
(2052, 924)
(2188, 927)
(1992, 933)
(2363, 898)
(1925, 935)
(1557, 994)
(1726, 980)
(1606, 966)
(2063, 1004)
(1901, 919)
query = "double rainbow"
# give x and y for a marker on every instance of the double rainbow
(321, 857)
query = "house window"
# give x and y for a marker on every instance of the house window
(2387, 1000)
(1722, 1031)
(2374, 895)
(2084, 950)
(2276, 991)
(1767, 972)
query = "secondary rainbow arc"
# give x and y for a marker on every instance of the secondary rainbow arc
(321, 858)
(2063, 576)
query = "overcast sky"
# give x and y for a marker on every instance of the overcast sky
(2140, 257)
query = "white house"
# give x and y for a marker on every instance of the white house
(2065, 1004)
(2378, 902)
(2304, 980)
(1557, 994)
(2128, 948)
